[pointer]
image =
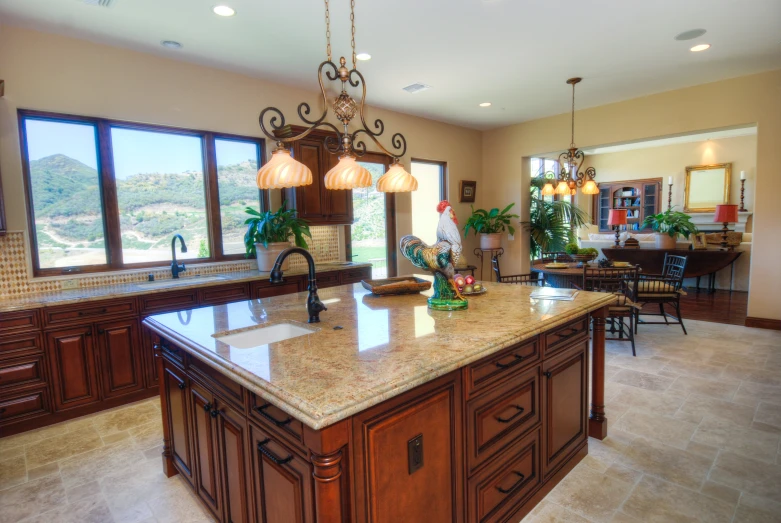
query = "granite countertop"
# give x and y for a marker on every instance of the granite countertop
(367, 348)
(64, 297)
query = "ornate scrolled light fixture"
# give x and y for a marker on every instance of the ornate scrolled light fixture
(572, 160)
(348, 173)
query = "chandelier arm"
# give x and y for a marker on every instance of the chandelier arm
(582, 178)
(378, 124)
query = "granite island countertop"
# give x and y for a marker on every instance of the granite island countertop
(105, 292)
(367, 348)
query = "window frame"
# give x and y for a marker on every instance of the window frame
(442, 176)
(108, 189)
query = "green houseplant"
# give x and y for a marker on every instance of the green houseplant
(490, 225)
(668, 225)
(268, 234)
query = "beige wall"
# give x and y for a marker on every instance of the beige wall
(54, 73)
(672, 160)
(741, 101)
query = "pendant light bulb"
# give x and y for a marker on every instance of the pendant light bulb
(347, 174)
(590, 187)
(283, 171)
(397, 179)
(562, 188)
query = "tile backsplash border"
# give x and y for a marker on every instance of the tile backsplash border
(16, 276)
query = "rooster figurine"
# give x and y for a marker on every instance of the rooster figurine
(440, 258)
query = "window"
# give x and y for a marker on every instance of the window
(108, 195)
(431, 191)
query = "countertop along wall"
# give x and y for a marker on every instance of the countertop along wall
(60, 74)
(754, 99)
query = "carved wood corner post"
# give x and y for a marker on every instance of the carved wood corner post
(597, 423)
(168, 460)
(328, 448)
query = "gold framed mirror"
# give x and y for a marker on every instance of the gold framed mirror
(706, 187)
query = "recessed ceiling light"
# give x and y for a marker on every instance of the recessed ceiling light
(363, 56)
(171, 44)
(691, 34)
(223, 10)
(700, 47)
(485, 104)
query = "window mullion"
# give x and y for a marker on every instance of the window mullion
(109, 197)
(213, 217)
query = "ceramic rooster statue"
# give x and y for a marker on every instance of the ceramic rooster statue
(440, 258)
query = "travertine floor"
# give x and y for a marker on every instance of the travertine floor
(695, 435)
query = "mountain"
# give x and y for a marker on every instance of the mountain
(62, 185)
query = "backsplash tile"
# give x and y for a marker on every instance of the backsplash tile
(15, 280)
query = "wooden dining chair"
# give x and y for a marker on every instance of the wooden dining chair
(550, 257)
(664, 289)
(533, 279)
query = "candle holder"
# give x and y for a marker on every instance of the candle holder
(742, 191)
(670, 197)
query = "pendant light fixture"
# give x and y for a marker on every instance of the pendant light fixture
(283, 171)
(572, 159)
(349, 146)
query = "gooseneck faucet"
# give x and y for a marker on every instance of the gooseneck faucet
(175, 267)
(313, 304)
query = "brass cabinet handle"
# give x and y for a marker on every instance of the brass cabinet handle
(270, 455)
(517, 484)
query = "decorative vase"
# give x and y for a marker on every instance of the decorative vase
(665, 241)
(268, 255)
(490, 241)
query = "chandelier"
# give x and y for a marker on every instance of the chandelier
(284, 171)
(571, 160)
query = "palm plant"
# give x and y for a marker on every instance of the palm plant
(551, 224)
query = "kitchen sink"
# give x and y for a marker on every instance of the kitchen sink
(338, 263)
(263, 335)
(178, 282)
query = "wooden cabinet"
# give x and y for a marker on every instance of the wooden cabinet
(203, 413)
(233, 439)
(119, 357)
(177, 414)
(266, 289)
(640, 198)
(72, 364)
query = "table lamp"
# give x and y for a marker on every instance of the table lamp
(616, 218)
(725, 214)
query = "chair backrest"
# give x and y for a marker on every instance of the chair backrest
(548, 257)
(533, 279)
(612, 279)
(495, 266)
(674, 266)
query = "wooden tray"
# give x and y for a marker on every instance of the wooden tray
(391, 286)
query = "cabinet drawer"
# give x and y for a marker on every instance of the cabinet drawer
(267, 289)
(218, 382)
(21, 371)
(170, 352)
(562, 337)
(11, 347)
(498, 366)
(169, 301)
(355, 275)
(327, 279)
(224, 294)
(500, 415)
(19, 321)
(498, 490)
(277, 421)
(22, 405)
(88, 311)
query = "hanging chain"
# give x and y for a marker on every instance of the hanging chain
(327, 31)
(572, 142)
(352, 23)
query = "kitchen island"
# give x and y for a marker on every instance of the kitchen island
(387, 412)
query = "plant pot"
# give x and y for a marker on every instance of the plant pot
(268, 255)
(583, 257)
(665, 241)
(490, 241)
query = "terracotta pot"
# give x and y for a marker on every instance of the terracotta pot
(267, 256)
(490, 241)
(665, 241)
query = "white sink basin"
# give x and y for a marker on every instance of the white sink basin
(177, 282)
(263, 335)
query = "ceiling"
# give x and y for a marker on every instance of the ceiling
(516, 54)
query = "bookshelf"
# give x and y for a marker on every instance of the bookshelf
(640, 198)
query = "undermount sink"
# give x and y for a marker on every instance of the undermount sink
(263, 335)
(179, 281)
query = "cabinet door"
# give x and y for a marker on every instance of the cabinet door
(339, 204)
(119, 357)
(175, 390)
(565, 382)
(72, 362)
(233, 443)
(148, 357)
(603, 205)
(309, 200)
(283, 487)
(651, 199)
(204, 414)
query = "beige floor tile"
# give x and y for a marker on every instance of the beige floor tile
(612, 447)
(80, 492)
(752, 393)
(154, 453)
(721, 388)
(149, 435)
(654, 500)
(12, 472)
(642, 380)
(697, 406)
(11, 452)
(620, 517)
(119, 420)
(763, 376)
(90, 510)
(746, 441)
(31, 498)
(673, 464)
(663, 403)
(769, 414)
(181, 507)
(649, 365)
(99, 463)
(753, 509)
(623, 473)
(553, 513)
(752, 476)
(62, 446)
(590, 494)
(703, 450)
(43, 470)
(26, 438)
(648, 424)
(719, 491)
(114, 437)
(694, 368)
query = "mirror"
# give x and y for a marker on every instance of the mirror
(706, 186)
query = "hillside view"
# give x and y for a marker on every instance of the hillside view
(153, 207)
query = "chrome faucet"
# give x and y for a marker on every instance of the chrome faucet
(175, 267)
(313, 304)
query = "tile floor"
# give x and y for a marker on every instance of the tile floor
(694, 435)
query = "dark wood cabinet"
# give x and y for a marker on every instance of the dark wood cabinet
(233, 439)
(203, 413)
(176, 398)
(119, 357)
(640, 198)
(266, 289)
(72, 364)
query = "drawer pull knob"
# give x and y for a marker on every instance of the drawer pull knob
(101, 331)
(517, 484)
(547, 374)
(270, 455)
(278, 422)
(518, 359)
(207, 407)
(519, 411)
(214, 413)
(181, 385)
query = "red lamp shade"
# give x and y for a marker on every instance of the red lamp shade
(726, 213)
(616, 217)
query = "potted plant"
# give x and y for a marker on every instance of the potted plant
(585, 254)
(268, 234)
(668, 225)
(552, 224)
(490, 225)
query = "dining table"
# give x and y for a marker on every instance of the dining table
(560, 278)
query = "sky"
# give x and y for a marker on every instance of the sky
(135, 151)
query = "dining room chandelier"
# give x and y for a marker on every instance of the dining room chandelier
(285, 171)
(571, 161)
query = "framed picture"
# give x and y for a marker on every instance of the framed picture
(699, 241)
(467, 191)
(706, 187)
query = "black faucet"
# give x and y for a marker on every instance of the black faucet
(313, 304)
(176, 268)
